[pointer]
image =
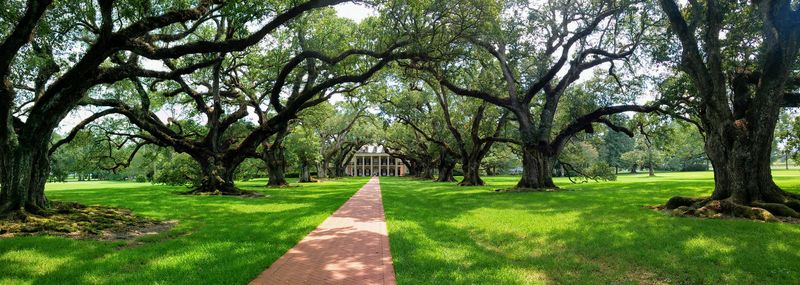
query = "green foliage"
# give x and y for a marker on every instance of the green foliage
(58, 169)
(95, 152)
(176, 169)
(614, 144)
(249, 169)
(787, 137)
(500, 160)
(582, 159)
(684, 150)
(302, 147)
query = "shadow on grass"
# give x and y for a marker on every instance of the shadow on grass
(220, 240)
(597, 234)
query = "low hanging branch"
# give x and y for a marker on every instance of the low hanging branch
(80, 126)
(585, 177)
(597, 116)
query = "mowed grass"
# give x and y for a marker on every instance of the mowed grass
(219, 240)
(597, 234)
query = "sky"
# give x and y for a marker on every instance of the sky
(353, 11)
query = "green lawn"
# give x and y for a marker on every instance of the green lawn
(219, 240)
(599, 233)
(440, 234)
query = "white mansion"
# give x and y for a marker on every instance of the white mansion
(371, 160)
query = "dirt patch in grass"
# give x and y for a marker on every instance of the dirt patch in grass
(155, 238)
(79, 221)
(281, 186)
(638, 275)
(244, 194)
(523, 190)
(646, 277)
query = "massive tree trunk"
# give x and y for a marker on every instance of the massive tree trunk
(743, 184)
(537, 166)
(471, 167)
(424, 171)
(537, 169)
(738, 111)
(305, 174)
(340, 171)
(274, 156)
(446, 172)
(410, 167)
(322, 172)
(275, 159)
(446, 166)
(340, 167)
(742, 169)
(341, 162)
(740, 152)
(217, 178)
(25, 170)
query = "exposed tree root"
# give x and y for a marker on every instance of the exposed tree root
(444, 180)
(14, 215)
(310, 180)
(705, 207)
(277, 183)
(468, 183)
(224, 191)
(84, 222)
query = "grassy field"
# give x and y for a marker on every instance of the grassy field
(440, 234)
(219, 240)
(597, 234)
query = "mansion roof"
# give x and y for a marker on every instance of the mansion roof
(372, 148)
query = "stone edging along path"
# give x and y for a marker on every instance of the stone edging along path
(349, 247)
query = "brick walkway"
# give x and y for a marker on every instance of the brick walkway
(350, 247)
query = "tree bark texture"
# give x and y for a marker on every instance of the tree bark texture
(739, 111)
(446, 166)
(217, 177)
(537, 169)
(305, 174)
(471, 168)
(25, 171)
(275, 159)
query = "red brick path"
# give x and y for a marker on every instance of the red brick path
(350, 247)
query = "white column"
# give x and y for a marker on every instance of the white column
(380, 161)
